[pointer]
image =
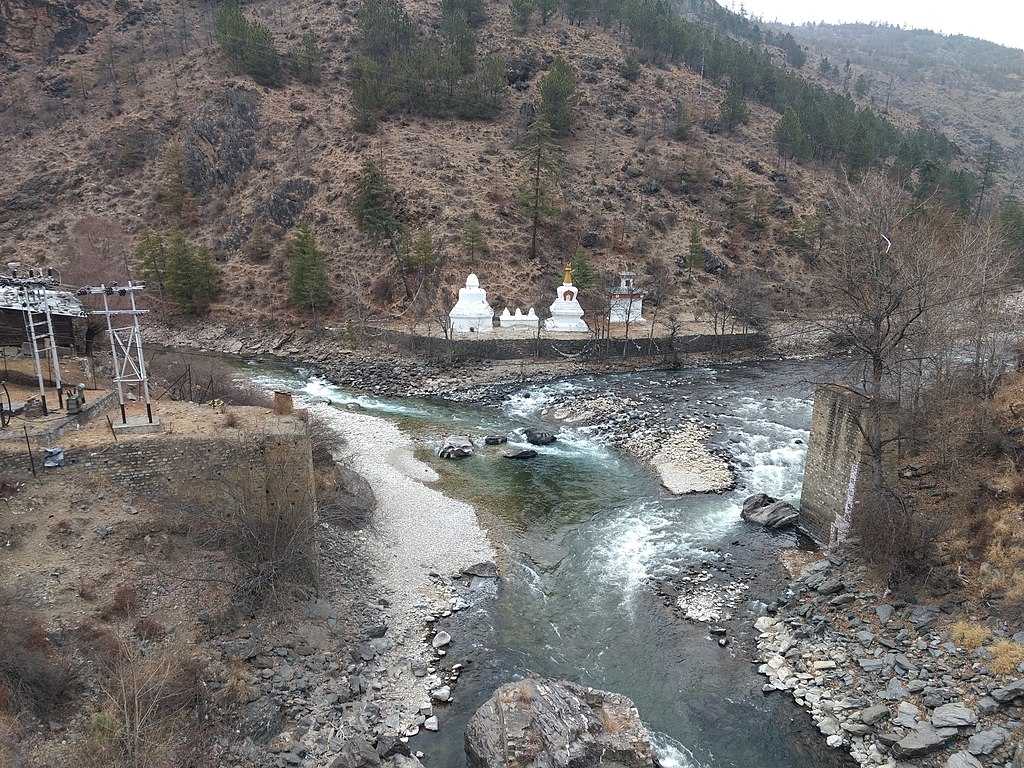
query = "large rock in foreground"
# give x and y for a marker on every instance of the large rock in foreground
(536, 723)
(764, 510)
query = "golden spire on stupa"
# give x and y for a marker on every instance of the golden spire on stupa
(567, 278)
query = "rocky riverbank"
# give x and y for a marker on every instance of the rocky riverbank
(377, 369)
(354, 679)
(895, 683)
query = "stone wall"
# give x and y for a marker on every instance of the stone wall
(486, 348)
(182, 468)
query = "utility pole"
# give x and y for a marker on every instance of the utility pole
(129, 364)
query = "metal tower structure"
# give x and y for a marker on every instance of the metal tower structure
(35, 306)
(125, 342)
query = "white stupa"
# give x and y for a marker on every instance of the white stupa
(627, 303)
(472, 313)
(519, 321)
(566, 312)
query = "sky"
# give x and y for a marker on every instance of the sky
(1001, 21)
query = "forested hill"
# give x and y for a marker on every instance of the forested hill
(358, 158)
(970, 89)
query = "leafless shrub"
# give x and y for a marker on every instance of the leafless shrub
(324, 440)
(148, 628)
(896, 536)
(34, 675)
(264, 519)
(201, 379)
(238, 687)
(86, 589)
(124, 602)
(149, 701)
(97, 641)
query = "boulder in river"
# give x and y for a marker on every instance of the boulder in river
(495, 440)
(455, 447)
(764, 510)
(538, 723)
(539, 437)
(522, 453)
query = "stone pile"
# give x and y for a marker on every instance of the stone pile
(883, 680)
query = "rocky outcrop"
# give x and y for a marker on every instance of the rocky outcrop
(46, 27)
(288, 200)
(762, 509)
(350, 503)
(220, 140)
(536, 723)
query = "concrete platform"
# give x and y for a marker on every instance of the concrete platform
(138, 425)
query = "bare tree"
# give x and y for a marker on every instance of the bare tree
(910, 291)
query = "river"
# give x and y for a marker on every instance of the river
(587, 534)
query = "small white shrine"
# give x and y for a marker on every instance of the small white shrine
(566, 312)
(627, 303)
(519, 321)
(472, 313)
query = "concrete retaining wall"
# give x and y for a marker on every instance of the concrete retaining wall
(832, 474)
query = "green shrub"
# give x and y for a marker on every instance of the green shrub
(248, 44)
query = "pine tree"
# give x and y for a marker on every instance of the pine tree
(558, 97)
(151, 255)
(541, 163)
(461, 43)
(373, 203)
(249, 44)
(420, 255)
(1011, 224)
(583, 276)
(740, 202)
(189, 275)
(308, 286)
(172, 193)
(231, 30)
(521, 12)
(307, 60)
(733, 111)
(696, 252)
(368, 94)
(790, 137)
(547, 9)
(261, 59)
(473, 241)
(682, 123)
(205, 281)
(862, 85)
(474, 10)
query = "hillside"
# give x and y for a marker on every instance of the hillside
(969, 89)
(101, 94)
